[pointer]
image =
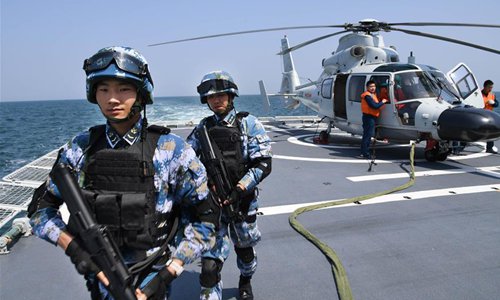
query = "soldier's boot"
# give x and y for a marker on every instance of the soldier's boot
(245, 288)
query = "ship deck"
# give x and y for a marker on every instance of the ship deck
(438, 239)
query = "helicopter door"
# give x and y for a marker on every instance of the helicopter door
(355, 87)
(339, 107)
(466, 84)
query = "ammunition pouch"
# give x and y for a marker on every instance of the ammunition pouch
(131, 220)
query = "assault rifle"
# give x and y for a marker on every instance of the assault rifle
(217, 173)
(95, 237)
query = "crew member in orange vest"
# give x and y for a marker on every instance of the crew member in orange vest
(383, 92)
(370, 106)
(490, 102)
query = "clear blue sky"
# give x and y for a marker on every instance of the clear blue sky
(44, 43)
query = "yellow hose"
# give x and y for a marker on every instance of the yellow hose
(339, 274)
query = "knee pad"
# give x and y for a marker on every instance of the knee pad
(210, 272)
(245, 254)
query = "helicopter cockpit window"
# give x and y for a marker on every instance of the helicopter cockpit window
(414, 85)
(464, 81)
(356, 88)
(326, 88)
(448, 92)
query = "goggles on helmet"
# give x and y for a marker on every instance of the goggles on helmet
(123, 60)
(215, 85)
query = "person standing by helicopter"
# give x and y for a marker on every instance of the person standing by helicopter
(136, 179)
(370, 107)
(490, 102)
(245, 148)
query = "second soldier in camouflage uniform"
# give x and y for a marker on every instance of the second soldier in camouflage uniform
(246, 150)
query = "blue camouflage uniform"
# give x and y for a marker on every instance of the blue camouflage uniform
(256, 144)
(179, 176)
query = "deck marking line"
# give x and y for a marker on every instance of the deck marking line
(489, 170)
(405, 175)
(295, 140)
(287, 209)
(330, 160)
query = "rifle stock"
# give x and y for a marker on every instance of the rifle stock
(96, 238)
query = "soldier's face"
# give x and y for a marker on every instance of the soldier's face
(218, 103)
(115, 98)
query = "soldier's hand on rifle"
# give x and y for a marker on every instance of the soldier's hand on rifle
(80, 258)
(235, 195)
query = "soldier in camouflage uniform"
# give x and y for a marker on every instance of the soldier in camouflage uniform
(118, 80)
(246, 149)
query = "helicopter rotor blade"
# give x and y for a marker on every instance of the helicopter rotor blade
(444, 24)
(447, 39)
(247, 32)
(310, 42)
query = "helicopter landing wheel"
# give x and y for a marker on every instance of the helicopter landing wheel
(442, 156)
(431, 155)
(322, 138)
(434, 154)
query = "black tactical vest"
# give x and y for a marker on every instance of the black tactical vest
(229, 144)
(119, 186)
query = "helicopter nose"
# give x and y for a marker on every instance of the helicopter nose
(468, 124)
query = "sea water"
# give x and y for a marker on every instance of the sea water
(30, 129)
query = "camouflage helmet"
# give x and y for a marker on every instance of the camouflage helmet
(216, 82)
(119, 63)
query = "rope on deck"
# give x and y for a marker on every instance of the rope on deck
(339, 273)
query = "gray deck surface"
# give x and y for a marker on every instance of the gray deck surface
(441, 244)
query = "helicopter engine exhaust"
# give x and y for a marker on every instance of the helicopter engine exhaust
(358, 51)
(468, 124)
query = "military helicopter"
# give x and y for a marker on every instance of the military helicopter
(425, 104)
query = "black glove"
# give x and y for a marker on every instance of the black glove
(235, 196)
(81, 258)
(158, 285)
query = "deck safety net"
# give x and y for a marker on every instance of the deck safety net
(16, 188)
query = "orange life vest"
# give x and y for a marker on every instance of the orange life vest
(487, 98)
(367, 109)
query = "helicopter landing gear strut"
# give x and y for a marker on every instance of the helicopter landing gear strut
(436, 151)
(323, 135)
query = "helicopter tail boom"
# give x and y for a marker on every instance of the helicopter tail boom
(290, 79)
